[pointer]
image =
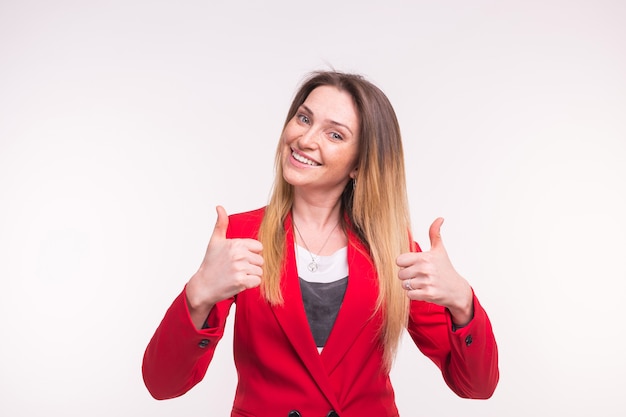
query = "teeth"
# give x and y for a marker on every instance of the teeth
(302, 159)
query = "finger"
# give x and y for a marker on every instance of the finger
(408, 273)
(253, 281)
(407, 259)
(254, 259)
(221, 225)
(254, 270)
(420, 272)
(435, 233)
(252, 245)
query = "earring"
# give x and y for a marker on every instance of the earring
(353, 184)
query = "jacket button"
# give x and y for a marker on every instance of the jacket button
(468, 340)
(203, 343)
(294, 413)
(332, 413)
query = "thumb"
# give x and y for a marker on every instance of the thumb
(221, 225)
(435, 233)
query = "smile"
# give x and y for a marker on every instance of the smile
(302, 159)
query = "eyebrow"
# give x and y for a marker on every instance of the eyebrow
(331, 121)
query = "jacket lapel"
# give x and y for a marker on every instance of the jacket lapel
(292, 318)
(358, 304)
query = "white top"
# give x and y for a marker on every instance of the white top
(329, 268)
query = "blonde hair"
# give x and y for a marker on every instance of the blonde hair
(376, 204)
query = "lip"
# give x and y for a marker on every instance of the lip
(300, 163)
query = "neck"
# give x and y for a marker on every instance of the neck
(315, 215)
(316, 227)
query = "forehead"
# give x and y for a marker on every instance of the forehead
(330, 103)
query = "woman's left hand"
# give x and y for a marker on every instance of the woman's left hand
(430, 276)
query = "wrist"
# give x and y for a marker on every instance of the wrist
(197, 307)
(462, 313)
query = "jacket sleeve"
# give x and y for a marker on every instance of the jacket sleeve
(178, 354)
(467, 356)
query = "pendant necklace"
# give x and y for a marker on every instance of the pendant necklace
(313, 266)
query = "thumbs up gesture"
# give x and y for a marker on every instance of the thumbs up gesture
(229, 267)
(430, 276)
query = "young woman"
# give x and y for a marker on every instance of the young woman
(326, 277)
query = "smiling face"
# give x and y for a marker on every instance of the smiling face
(321, 143)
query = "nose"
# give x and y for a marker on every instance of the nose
(309, 139)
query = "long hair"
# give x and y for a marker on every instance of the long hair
(376, 203)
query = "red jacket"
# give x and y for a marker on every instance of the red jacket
(280, 370)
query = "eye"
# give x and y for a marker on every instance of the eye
(303, 118)
(336, 136)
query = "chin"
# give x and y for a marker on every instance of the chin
(294, 182)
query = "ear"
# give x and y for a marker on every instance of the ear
(354, 172)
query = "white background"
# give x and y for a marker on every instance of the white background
(124, 123)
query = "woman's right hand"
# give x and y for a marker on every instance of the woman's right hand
(229, 267)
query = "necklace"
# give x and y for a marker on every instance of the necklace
(313, 264)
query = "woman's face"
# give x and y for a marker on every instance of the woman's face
(321, 142)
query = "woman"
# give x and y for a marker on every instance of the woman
(326, 277)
